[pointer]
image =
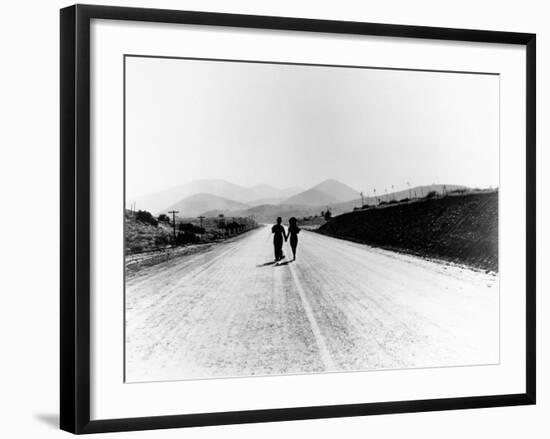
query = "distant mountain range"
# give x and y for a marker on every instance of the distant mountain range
(159, 202)
(265, 202)
(197, 204)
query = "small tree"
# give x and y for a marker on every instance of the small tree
(163, 218)
(328, 215)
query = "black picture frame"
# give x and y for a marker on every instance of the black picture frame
(75, 217)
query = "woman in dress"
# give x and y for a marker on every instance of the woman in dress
(293, 231)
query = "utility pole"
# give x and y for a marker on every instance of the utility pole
(173, 212)
(201, 218)
(362, 200)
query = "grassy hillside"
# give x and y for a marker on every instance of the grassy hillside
(153, 235)
(459, 228)
(142, 237)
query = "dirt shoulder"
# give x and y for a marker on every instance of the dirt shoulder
(134, 263)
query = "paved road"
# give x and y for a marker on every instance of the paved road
(342, 306)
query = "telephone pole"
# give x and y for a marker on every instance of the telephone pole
(201, 218)
(173, 212)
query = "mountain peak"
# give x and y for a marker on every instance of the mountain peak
(329, 191)
(329, 181)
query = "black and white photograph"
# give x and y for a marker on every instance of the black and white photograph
(275, 219)
(285, 219)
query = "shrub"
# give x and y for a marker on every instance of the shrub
(431, 194)
(145, 217)
(186, 238)
(189, 227)
(162, 240)
(163, 218)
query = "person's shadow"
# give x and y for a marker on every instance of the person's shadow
(267, 264)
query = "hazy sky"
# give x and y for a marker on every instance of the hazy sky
(299, 125)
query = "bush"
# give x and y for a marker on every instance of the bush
(163, 218)
(186, 238)
(162, 240)
(234, 227)
(189, 227)
(145, 217)
(431, 194)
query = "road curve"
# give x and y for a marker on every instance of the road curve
(229, 311)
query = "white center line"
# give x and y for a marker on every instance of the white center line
(323, 350)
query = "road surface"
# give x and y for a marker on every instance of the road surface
(230, 311)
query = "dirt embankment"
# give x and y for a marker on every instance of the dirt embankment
(458, 228)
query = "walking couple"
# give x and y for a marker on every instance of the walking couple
(279, 234)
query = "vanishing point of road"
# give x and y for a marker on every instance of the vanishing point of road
(341, 306)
